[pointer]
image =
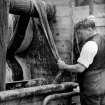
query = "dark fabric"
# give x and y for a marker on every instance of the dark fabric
(99, 60)
(93, 83)
(92, 80)
(18, 34)
(17, 71)
(93, 99)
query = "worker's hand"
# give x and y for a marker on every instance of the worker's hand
(61, 64)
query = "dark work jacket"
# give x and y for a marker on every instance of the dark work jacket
(92, 80)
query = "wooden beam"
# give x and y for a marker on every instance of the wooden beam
(3, 34)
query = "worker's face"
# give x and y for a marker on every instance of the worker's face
(83, 34)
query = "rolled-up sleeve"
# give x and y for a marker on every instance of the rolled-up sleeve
(88, 52)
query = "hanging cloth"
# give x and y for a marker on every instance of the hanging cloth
(46, 28)
(48, 34)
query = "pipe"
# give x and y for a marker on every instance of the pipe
(6, 96)
(59, 95)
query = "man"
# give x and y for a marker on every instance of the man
(90, 64)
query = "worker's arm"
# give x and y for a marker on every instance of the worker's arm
(86, 58)
(72, 68)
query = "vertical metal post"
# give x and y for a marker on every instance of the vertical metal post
(91, 7)
(72, 28)
(3, 33)
(72, 36)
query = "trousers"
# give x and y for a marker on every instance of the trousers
(92, 100)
